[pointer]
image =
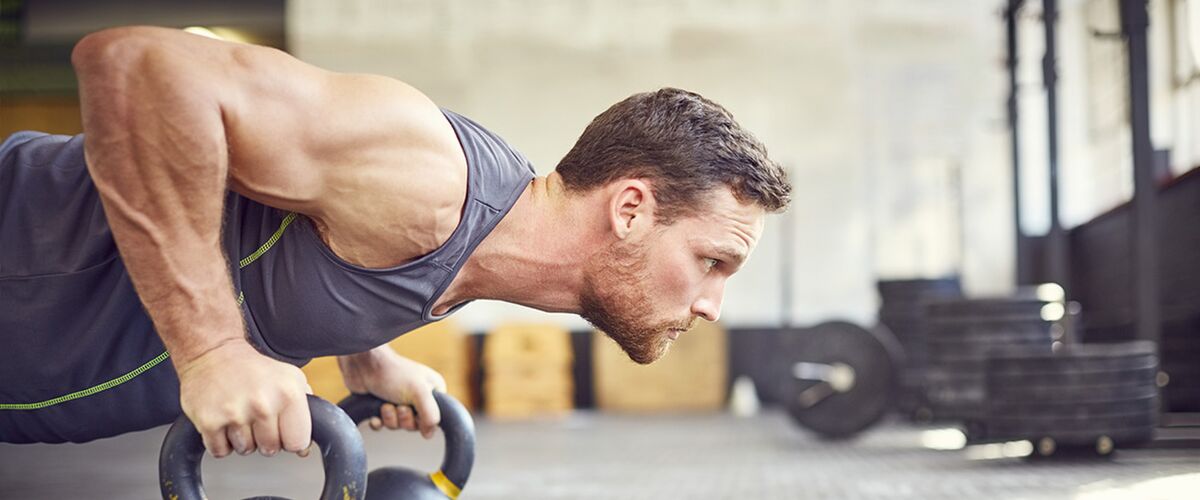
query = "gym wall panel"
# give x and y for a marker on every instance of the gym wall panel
(1102, 262)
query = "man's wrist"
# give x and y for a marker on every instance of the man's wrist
(367, 360)
(184, 358)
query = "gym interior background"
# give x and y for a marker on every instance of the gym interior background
(946, 160)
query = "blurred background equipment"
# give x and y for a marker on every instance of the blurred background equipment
(961, 334)
(1097, 396)
(902, 311)
(692, 377)
(841, 378)
(527, 371)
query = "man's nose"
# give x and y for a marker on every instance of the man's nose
(708, 305)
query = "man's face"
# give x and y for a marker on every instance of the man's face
(643, 292)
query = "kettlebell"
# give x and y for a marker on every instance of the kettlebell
(342, 456)
(395, 483)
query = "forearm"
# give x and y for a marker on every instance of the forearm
(156, 151)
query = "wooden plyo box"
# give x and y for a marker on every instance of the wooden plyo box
(692, 377)
(527, 371)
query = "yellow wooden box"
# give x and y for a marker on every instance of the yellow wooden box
(693, 376)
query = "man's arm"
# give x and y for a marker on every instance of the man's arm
(172, 120)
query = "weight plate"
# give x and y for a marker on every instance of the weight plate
(1072, 358)
(1066, 366)
(984, 334)
(870, 357)
(912, 290)
(971, 339)
(1000, 382)
(984, 308)
(1088, 351)
(954, 411)
(1068, 394)
(954, 395)
(953, 324)
(1060, 369)
(906, 315)
(941, 352)
(1069, 409)
(958, 373)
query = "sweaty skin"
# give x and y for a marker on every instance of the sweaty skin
(173, 120)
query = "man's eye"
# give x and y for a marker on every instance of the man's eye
(711, 263)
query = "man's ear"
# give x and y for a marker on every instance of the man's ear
(631, 207)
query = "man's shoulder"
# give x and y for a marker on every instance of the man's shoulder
(479, 141)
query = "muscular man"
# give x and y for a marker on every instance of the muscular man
(231, 212)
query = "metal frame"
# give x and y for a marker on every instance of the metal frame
(1011, 11)
(1176, 429)
(1057, 246)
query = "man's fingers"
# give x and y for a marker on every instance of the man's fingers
(388, 413)
(216, 442)
(241, 438)
(428, 414)
(407, 422)
(295, 425)
(266, 434)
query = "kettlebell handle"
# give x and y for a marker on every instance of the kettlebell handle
(456, 425)
(342, 456)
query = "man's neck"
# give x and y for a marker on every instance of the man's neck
(534, 257)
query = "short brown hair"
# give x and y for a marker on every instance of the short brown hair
(684, 144)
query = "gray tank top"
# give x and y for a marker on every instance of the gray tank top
(299, 299)
(302, 301)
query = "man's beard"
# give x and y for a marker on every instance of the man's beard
(615, 301)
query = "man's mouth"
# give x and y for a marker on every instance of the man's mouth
(674, 333)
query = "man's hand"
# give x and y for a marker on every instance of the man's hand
(400, 380)
(240, 401)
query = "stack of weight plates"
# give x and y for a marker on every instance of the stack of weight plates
(1181, 362)
(1083, 396)
(902, 311)
(960, 334)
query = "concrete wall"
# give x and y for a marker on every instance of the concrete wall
(888, 113)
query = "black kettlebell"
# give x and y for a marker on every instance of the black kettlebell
(341, 445)
(388, 483)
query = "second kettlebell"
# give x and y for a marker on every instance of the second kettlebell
(393, 483)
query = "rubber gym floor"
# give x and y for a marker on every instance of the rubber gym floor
(604, 456)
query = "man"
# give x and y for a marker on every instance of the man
(232, 212)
